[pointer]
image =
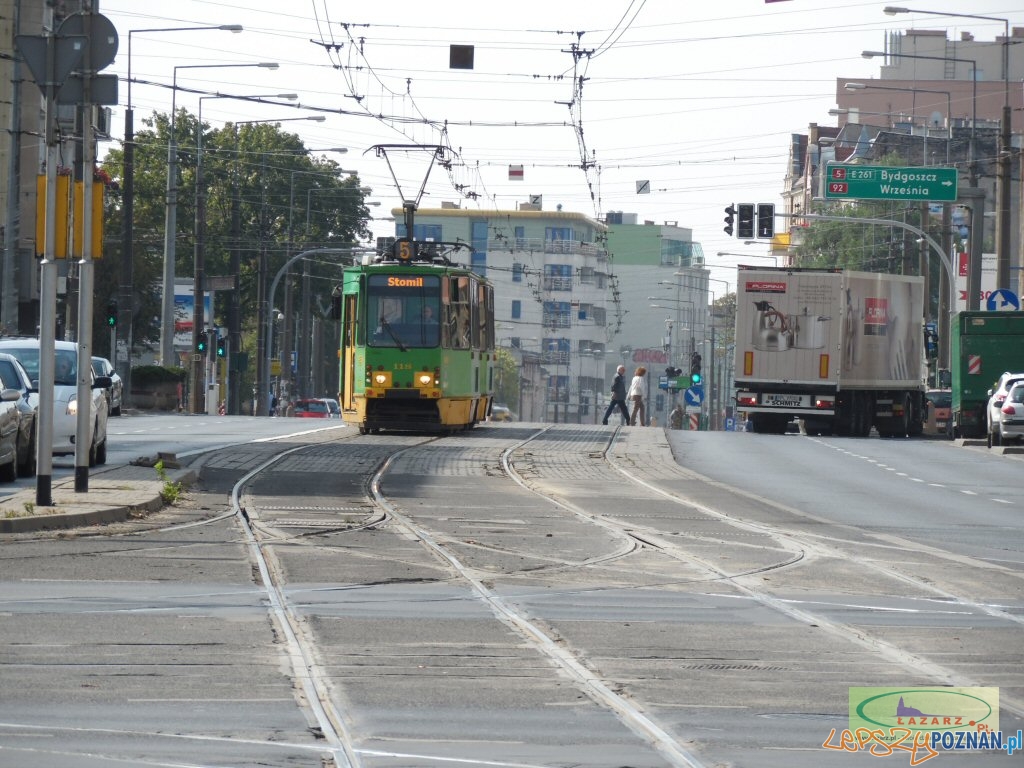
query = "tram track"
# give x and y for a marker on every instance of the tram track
(516, 462)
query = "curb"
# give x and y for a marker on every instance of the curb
(115, 495)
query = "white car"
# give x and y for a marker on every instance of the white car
(65, 395)
(1011, 417)
(996, 397)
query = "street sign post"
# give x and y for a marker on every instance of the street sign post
(867, 182)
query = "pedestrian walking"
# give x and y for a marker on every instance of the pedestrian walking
(637, 388)
(618, 396)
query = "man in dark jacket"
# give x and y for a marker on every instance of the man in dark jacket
(618, 396)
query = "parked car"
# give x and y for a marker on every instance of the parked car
(500, 412)
(312, 408)
(13, 376)
(65, 395)
(939, 408)
(996, 396)
(1010, 425)
(115, 392)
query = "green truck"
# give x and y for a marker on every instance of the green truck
(984, 346)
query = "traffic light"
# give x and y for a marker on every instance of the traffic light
(745, 225)
(730, 212)
(695, 361)
(111, 314)
(222, 346)
(672, 373)
(201, 341)
(766, 220)
(931, 340)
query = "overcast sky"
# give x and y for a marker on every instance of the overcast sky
(698, 100)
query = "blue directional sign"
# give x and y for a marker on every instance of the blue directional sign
(694, 395)
(1002, 300)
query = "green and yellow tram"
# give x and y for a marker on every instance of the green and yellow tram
(417, 343)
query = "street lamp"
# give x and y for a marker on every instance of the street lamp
(972, 165)
(126, 301)
(235, 266)
(1004, 177)
(915, 91)
(750, 256)
(198, 387)
(171, 222)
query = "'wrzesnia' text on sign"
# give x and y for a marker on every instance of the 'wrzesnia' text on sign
(866, 182)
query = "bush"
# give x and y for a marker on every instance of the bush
(146, 376)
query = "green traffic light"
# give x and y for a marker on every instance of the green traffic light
(696, 378)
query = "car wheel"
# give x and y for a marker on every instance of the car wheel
(101, 452)
(9, 472)
(995, 438)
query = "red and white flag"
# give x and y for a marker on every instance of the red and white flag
(515, 173)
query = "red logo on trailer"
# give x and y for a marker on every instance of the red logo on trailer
(876, 317)
(765, 286)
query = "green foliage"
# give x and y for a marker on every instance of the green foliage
(264, 194)
(171, 491)
(506, 378)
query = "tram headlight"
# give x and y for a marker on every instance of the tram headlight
(382, 378)
(425, 379)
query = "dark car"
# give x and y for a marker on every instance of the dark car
(115, 392)
(313, 408)
(14, 377)
(939, 406)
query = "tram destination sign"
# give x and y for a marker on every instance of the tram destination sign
(873, 182)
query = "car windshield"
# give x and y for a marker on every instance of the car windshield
(9, 375)
(1016, 394)
(941, 399)
(65, 367)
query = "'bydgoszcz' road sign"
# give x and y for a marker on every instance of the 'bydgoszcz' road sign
(873, 182)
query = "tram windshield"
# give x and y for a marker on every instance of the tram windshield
(403, 310)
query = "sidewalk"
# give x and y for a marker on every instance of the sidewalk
(115, 494)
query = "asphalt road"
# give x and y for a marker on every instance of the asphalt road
(727, 597)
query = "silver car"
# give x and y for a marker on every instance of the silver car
(996, 396)
(115, 392)
(1010, 424)
(13, 376)
(65, 396)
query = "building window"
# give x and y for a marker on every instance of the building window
(557, 314)
(517, 272)
(520, 235)
(557, 277)
(517, 309)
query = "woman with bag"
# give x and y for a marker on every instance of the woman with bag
(636, 393)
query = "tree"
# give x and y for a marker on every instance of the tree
(266, 173)
(506, 376)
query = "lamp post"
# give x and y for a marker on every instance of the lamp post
(126, 297)
(971, 150)
(305, 335)
(915, 91)
(198, 388)
(977, 196)
(171, 214)
(305, 338)
(1004, 175)
(234, 308)
(774, 259)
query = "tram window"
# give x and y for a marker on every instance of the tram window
(397, 310)
(457, 321)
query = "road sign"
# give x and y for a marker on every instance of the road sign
(694, 395)
(1002, 300)
(868, 182)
